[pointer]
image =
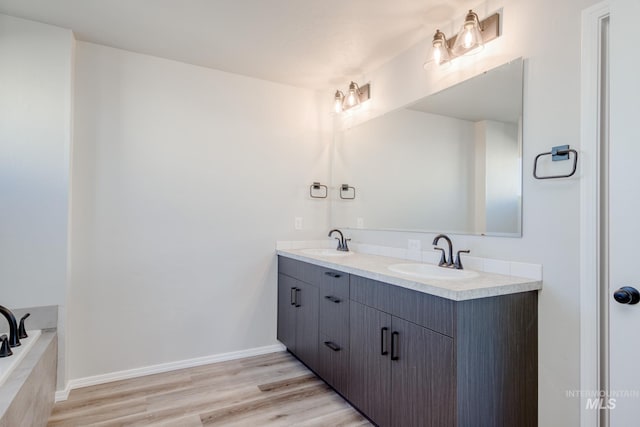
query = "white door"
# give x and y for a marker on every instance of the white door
(624, 211)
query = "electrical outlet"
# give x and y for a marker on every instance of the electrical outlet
(359, 223)
(298, 223)
(414, 245)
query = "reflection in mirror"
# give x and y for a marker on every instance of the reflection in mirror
(451, 162)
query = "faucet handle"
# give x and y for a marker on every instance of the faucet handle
(458, 263)
(345, 246)
(22, 332)
(5, 350)
(443, 257)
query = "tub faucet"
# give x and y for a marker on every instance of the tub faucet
(22, 331)
(443, 260)
(342, 242)
(14, 341)
(5, 351)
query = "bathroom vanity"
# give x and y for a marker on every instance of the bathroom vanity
(409, 351)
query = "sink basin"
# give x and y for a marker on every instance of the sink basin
(429, 271)
(326, 252)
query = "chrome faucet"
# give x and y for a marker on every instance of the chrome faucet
(457, 264)
(342, 242)
(14, 341)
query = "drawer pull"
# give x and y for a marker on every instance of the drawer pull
(332, 274)
(394, 345)
(383, 341)
(293, 296)
(332, 346)
(333, 299)
(297, 302)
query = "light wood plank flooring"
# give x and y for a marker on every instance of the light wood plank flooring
(269, 390)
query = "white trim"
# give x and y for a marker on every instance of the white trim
(589, 215)
(62, 395)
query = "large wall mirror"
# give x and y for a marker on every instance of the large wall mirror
(450, 162)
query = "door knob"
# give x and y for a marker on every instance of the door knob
(627, 295)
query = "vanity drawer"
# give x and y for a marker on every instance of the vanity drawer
(334, 315)
(333, 362)
(333, 281)
(423, 309)
(303, 271)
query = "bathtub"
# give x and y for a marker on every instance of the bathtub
(28, 380)
(8, 364)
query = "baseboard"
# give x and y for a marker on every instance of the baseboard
(62, 395)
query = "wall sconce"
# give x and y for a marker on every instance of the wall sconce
(469, 40)
(354, 97)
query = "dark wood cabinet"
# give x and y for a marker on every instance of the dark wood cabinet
(298, 318)
(369, 367)
(401, 374)
(422, 377)
(287, 311)
(405, 358)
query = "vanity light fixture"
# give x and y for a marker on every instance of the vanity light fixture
(471, 38)
(354, 97)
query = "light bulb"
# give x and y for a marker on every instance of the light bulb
(337, 102)
(437, 53)
(353, 97)
(440, 48)
(469, 40)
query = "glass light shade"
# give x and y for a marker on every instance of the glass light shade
(469, 40)
(440, 48)
(338, 100)
(353, 96)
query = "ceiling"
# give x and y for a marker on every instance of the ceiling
(315, 44)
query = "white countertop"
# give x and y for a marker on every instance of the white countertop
(376, 267)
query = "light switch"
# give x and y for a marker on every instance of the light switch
(298, 223)
(359, 223)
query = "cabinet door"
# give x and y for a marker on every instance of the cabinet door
(422, 377)
(306, 325)
(369, 363)
(287, 311)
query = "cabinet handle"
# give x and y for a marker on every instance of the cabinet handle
(383, 341)
(293, 296)
(332, 346)
(332, 298)
(394, 345)
(332, 274)
(297, 302)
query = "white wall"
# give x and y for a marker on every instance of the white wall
(35, 95)
(35, 145)
(551, 208)
(184, 178)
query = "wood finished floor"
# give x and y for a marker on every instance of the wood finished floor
(269, 390)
